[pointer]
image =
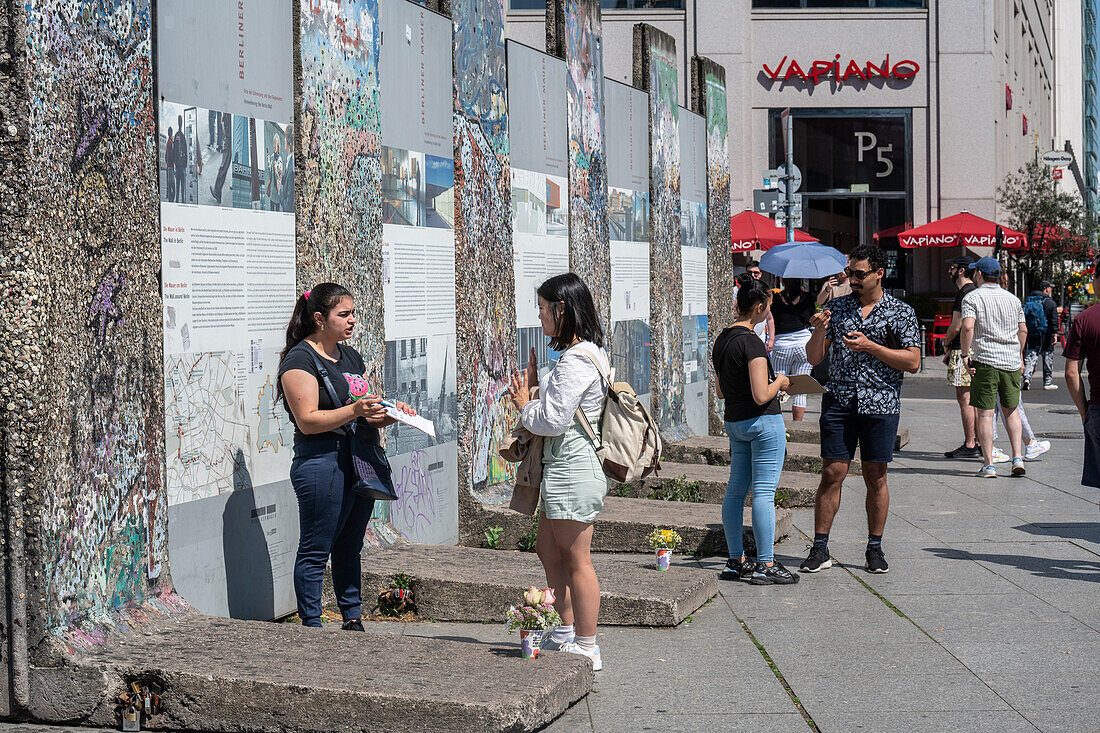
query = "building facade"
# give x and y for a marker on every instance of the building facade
(904, 111)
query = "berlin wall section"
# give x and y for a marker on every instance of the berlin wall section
(83, 489)
(708, 98)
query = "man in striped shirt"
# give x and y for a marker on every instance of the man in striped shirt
(993, 336)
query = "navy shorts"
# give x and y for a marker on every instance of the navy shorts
(843, 428)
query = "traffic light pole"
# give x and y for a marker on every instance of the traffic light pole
(788, 196)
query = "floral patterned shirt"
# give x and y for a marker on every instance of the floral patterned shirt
(858, 376)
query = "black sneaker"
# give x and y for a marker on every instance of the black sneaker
(963, 452)
(772, 574)
(1025, 384)
(818, 560)
(876, 561)
(737, 570)
(353, 625)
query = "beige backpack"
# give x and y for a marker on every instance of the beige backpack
(629, 443)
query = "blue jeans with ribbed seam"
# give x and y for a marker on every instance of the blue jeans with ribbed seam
(757, 449)
(332, 522)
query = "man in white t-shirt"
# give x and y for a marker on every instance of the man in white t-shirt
(763, 328)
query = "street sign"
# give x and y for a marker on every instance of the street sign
(1057, 158)
(1056, 174)
(796, 182)
(771, 179)
(765, 202)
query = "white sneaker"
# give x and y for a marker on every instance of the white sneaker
(987, 472)
(572, 648)
(1035, 449)
(999, 456)
(549, 645)
(1050, 386)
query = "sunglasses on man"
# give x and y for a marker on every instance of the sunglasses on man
(857, 274)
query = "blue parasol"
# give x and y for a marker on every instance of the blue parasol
(803, 259)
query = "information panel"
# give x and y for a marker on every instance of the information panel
(693, 236)
(626, 113)
(226, 170)
(540, 195)
(418, 266)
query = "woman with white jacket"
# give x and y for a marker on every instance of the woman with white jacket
(573, 482)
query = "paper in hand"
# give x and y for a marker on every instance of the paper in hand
(422, 424)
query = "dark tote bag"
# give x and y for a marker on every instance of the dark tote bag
(368, 457)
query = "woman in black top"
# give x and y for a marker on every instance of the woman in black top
(332, 520)
(791, 313)
(758, 438)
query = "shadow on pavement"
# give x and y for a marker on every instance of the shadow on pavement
(1088, 531)
(1043, 567)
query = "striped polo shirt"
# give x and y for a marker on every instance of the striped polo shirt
(997, 316)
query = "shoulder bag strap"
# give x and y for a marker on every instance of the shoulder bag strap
(328, 384)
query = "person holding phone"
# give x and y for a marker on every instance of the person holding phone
(332, 519)
(871, 339)
(758, 437)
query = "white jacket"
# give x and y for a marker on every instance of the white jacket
(573, 382)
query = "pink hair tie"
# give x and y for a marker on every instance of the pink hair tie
(305, 294)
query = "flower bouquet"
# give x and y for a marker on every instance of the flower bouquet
(532, 618)
(664, 541)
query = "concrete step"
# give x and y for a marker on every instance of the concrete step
(809, 431)
(225, 675)
(715, 450)
(452, 583)
(626, 521)
(708, 482)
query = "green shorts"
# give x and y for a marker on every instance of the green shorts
(573, 482)
(990, 382)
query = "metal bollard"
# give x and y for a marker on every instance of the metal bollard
(923, 346)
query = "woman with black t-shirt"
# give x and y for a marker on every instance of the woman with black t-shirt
(791, 313)
(332, 520)
(758, 438)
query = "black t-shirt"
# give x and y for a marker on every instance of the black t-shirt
(349, 365)
(734, 348)
(790, 318)
(956, 343)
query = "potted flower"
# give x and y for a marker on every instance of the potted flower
(664, 541)
(532, 618)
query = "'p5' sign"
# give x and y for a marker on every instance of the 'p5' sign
(868, 141)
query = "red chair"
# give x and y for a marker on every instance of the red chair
(938, 334)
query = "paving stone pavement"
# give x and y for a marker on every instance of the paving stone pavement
(988, 620)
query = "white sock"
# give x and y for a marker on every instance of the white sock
(586, 643)
(562, 633)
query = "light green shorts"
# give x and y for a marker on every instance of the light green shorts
(573, 483)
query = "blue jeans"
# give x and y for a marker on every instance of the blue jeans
(757, 449)
(332, 521)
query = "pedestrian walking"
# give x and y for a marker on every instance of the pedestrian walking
(791, 312)
(767, 326)
(225, 131)
(573, 483)
(1083, 346)
(957, 375)
(1033, 447)
(1041, 314)
(331, 518)
(179, 160)
(169, 166)
(871, 339)
(757, 435)
(993, 336)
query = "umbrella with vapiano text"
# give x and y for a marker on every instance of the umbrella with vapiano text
(961, 230)
(749, 230)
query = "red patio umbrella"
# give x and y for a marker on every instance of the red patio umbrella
(1046, 236)
(961, 230)
(749, 230)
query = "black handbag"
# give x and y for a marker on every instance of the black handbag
(368, 457)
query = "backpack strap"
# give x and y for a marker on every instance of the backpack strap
(582, 419)
(345, 429)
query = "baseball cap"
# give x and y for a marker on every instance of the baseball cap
(1045, 284)
(964, 260)
(986, 265)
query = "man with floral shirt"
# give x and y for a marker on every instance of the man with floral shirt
(871, 338)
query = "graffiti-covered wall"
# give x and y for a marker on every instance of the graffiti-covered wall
(484, 276)
(655, 71)
(339, 184)
(574, 32)
(708, 93)
(82, 420)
